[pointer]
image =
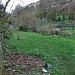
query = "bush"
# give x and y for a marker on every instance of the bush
(65, 34)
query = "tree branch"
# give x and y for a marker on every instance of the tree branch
(6, 4)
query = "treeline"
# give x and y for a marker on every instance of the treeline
(57, 10)
(35, 15)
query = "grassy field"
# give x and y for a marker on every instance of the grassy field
(60, 52)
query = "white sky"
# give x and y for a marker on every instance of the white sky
(16, 2)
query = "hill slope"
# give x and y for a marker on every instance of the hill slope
(54, 50)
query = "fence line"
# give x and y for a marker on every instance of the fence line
(1, 53)
(4, 48)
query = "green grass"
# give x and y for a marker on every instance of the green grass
(57, 51)
(70, 31)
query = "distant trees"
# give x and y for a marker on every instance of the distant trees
(24, 16)
(50, 10)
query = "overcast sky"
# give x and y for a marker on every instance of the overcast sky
(13, 3)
